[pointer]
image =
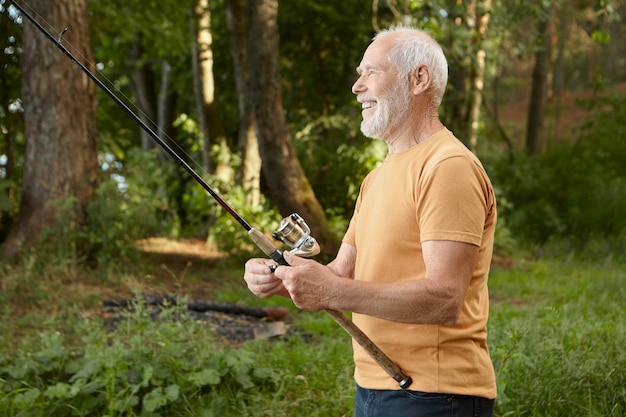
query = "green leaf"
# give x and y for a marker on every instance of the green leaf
(265, 373)
(59, 390)
(172, 392)
(155, 399)
(601, 37)
(147, 371)
(26, 399)
(205, 377)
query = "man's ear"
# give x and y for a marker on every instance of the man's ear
(419, 79)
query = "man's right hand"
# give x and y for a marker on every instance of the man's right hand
(261, 280)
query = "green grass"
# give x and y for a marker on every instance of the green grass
(556, 334)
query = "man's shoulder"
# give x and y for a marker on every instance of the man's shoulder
(445, 147)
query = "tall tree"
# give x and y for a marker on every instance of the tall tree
(478, 21)
(152, 86)
(60, 164)
(539, 85)
(247, 141)
(287, 184)
(144, 91)
(214, 136)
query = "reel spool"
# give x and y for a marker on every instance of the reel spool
(295, 233)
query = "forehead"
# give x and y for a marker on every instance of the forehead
(377, 54)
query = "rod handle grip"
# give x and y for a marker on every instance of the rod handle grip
(267, 246)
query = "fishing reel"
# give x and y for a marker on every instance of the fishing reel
(295, 233)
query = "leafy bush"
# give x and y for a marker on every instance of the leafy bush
(143, 367)
(131, 203)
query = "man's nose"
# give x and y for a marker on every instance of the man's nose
(358, 86)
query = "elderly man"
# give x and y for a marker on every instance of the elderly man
(413, 265)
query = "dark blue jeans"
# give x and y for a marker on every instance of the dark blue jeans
(398, 403)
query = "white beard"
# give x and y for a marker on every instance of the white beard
(389, 111)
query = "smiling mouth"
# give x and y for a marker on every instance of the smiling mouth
(367, 105)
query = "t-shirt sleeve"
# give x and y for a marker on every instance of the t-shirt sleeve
(453, 202)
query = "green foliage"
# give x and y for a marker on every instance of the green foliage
(11, 120)
(131, 203)
(225, 231)
(142, 368)
(8, 206)
(556, 335)
(336, 159)
(321, 44)
(572, 191)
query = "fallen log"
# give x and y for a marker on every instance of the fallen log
(274, 313)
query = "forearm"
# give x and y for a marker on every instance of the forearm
(420, 301)
(435, 299)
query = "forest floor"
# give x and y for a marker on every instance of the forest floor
(166, 271)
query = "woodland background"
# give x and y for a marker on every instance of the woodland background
(257, 98)
(255, 95)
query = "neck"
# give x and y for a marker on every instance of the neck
(413, 133)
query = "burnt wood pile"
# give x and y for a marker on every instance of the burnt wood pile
(237, 323)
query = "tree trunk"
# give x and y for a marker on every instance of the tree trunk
(166, 109)
(213, 128)
(480, 19)
(538, 95)
(143, 86)
(156, 100)
(459, 75)
(287, 184)
(247, 142)
(207, 162)
(558, 79)
(60, 165)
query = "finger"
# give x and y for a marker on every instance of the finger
(260, 266)
(267, 289)
(292, 259)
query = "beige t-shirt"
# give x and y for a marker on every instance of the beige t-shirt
(437, 190)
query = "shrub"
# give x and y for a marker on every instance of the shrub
(144, 367)
(131, 203)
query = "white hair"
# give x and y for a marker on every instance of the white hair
(413, 47)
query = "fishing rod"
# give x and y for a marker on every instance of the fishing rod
(292, 231)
